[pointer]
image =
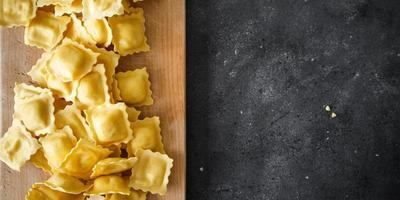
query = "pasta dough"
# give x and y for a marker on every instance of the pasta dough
(109, 124)
(75, 7)
(129, 33)
(146, 135)
(72, 117)
(45, 31)
(112, 166)
(98, 9)
(99, 30)
(17, 12)
(133, 114)
(40, 191)
(151, 172)
(133, 87)
(110, 184)
(134, 195)
(67, 184)
(40, 161)
(17, 145)
(41, 3)
(77, 32)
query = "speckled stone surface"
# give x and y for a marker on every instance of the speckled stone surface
(259, 73)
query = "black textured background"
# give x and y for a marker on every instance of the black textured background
(258, 75)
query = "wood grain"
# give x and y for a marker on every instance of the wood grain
(165, 28)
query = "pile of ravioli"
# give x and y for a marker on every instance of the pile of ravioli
(78, 121)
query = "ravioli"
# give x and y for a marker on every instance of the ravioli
(98, 9)
(133, 114)
(38, 72)
(146, 135)
(75, 7)
(134, 195)
(71, 61)
(109, 124)
(110, 184)
(133, 87)
(40, 191)
(57, 145)
(17, 12)
(92, 89)
(116, 150)
(17, 145)
(45, 31)
(73, 118)
(41, 3)
(67, 184)
(77, 32)
(129, 33)
(100, 31)
(40, 161)
(82, 158)
(112, 166)
(151, 172)
(34, 107)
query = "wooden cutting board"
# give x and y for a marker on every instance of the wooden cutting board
(165, 29)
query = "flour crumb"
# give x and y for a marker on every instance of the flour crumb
(201, 169)
(327, 108)
(333, 115)
(307, 177)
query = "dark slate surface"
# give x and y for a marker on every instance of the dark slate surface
(258, 75)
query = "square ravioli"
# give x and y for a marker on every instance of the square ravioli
(40, 161)
(146, 135)
(92, 89)
(95, 9)
(100, 31)
(77, 32)
(112, 166)
(129, 33)
(17, 146)
(67, 184)
(71, 61)
(71, 116)
(75, 7)
(111, 184)
(46, 30)
(133, 87)
(57, 145)
(109, 124)
(40, 191)
(151, 172)
(82, 158)
(34, 107)
(134, 195)
(17, 12)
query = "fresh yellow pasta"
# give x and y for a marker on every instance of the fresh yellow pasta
(92, 89)
(133, 114)
(40, 161)
(111, 184)
(40, 191)
(82, 158)
(57, 145)
(72, 117)
(146, 135)
(129, 33)
(116, 150)
(38, 72)
(94, 9)
(151, 172)
(17, 12)
(75, 7)
(41, 3)
(109, 124)
(134, 195)
(100, 31)
(112, 166)
(34, 107)
(71, 61)
(77, 32)
(95, 197)
(17, 145)
(67, 184)
(45, 31)
(133, 87)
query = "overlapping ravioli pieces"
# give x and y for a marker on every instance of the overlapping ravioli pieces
(110, 61)
(133, 87)
(151, 171)
(17, 12)
(17, 145)
(133, 114)
(67, 184)
(57, 145)
(77, 32)
(71, 116)
(109, 124)
(40, 161)
(98, 9)
(112, 166)
(134, 195)
(41, 3)
(45, 31)
(92, 89)
(146, 135)
(82, 158)
(129, 33)
(100, 31)
(75, 7)
(34, 107)
(71, 61)
(40, 191)
(111, 184)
